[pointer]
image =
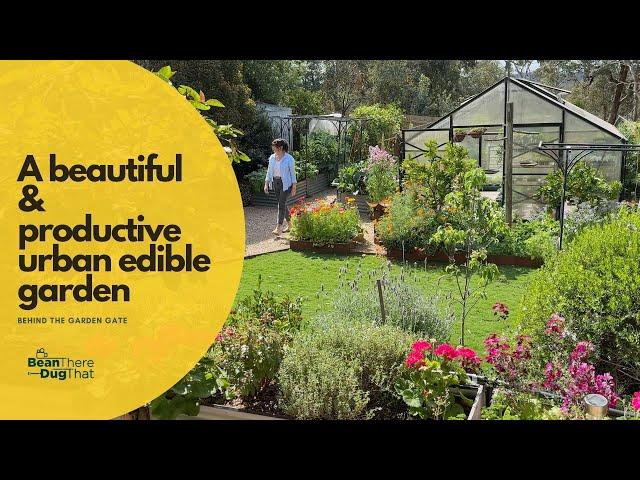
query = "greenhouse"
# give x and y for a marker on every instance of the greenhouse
(540, 114)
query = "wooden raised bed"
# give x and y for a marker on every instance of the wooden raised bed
(419, 255)
(303, 245)
(220, 412)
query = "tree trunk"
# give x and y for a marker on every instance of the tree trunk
(617, 96)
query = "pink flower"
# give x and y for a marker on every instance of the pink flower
(501, 310)
(551, 374)
(469, 357)
(635, 401)
(581, 351)
(420, 346)
(555, 325)
(415, 359)
(446, 351)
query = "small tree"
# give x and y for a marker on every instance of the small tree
(473, 224)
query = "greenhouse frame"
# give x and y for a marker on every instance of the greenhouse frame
(539, 115)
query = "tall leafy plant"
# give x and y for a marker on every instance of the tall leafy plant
(473, 224)
(227, 134)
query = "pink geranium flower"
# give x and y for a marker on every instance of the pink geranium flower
(446, 351)
(635, 401)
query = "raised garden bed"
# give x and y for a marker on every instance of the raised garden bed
(303, 245)
(420, 255)
(224, 412)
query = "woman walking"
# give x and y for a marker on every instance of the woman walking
(281, 176)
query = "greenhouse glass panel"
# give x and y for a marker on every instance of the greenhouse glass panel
(487, 109)
(530, 108)
(524, 188)
(415, 141)
(492, 155)
(444, 123)
(608, 164)
(526, 159)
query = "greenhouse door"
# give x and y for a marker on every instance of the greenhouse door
(530, 167)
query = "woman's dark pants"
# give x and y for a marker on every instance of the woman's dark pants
(281, 195)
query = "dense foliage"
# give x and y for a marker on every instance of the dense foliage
(583, 185)
(343, 370)
(595, 285)
(244, 359)
(325, 223)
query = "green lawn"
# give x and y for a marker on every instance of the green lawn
(304, 274)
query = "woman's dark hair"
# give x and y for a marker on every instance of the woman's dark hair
(281, 143)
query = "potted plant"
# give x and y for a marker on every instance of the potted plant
(477, 132)
(459, 134)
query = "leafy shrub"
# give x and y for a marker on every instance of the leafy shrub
(282, 314)
(244, 359)
(595, 285)
(406, 306)
(256, 179)
(586, 214)
(351, 178)
(305, 167)
(440, 174)
(382, 123)
(510, 405)
(324, 223)
(248, 357)
(322, 150)
(342, 370)
(380, 174)
(407, 224)
(536, 238)
(583, 185)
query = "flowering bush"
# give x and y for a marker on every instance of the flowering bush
(574, 377)
(432, 373)
(595, 284)
(569, 376)
(325, 223)
(380, 174)
(244, 358)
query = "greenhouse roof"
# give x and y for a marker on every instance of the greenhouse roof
(544, 92)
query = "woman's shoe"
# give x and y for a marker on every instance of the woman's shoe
(285, 228)
(278, 231)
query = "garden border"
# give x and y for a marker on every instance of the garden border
(307, 246)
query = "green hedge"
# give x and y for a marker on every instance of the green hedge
(595, 284)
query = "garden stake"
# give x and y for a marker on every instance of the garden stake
(381, 300)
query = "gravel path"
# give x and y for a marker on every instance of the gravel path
(260, 222)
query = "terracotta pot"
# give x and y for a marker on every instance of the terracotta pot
(458, 137)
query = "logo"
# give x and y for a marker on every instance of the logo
(59, 368)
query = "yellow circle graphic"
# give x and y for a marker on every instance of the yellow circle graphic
(114, 282)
